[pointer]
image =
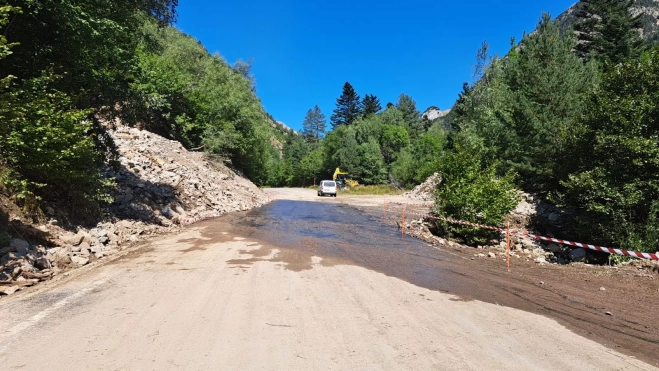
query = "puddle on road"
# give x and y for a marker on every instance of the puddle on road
(337, 233)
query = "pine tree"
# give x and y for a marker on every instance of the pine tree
(313, 126)
(348, 107)
(407, 106)
(370, 105)
(607, 30)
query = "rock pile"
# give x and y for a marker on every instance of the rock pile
(162, 183)
(159, 186)
(425, 191)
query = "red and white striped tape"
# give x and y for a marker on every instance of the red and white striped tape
(428, 204)
(636, 254)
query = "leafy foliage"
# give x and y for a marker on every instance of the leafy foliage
(50, 148)
(471, 191)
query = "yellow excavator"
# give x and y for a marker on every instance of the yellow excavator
(342, 181)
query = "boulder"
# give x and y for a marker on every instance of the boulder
(79, 260)
(73, 240)
(21, 247)
(42, 263)
(8, 290)
(555, 248)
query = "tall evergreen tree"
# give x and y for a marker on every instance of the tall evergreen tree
(370, 105)
(348, 107)
(313, 126)
(607, 30)
(407, 106)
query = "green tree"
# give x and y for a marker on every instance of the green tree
(411, 116)
(370, 105)
(393, 140)
(526, 107)
(607, 30)
(550, 86)
(617, 186)
(348, 107)
(310, 167)
(91, 45)
(313, 126)
(371, 169)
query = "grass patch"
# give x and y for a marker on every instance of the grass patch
(381, 189)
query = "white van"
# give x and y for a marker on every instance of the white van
(327, 187)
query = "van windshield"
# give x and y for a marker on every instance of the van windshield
(329, 184)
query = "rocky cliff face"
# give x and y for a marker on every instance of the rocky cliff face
(160, 186)
(433, 113)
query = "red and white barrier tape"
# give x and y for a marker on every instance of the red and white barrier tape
(636, 254)
(405, 204)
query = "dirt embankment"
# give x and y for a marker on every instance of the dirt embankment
(159, 186)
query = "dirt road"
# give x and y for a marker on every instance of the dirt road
(294, 285)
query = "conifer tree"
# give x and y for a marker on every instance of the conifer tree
(348, 107)
(607, 30)
(407, 106)
(313, 126)
(370, 105)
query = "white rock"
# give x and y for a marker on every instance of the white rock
(79, 260)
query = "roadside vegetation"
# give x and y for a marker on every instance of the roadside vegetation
(376, 189)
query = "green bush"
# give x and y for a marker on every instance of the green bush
(471, 191)
(49, 148)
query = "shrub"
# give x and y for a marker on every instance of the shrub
(471, 191)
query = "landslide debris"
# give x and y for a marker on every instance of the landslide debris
(426, 190)
(160, 186)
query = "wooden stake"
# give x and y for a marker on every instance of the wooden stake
(508, 247)
(384, 206)
(402, 227)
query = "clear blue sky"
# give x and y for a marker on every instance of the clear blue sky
(304, 51)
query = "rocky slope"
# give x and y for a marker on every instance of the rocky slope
(433, 113)
(159, 187)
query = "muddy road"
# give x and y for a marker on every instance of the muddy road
(325, 283)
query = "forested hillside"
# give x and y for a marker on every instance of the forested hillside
(69, 68)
